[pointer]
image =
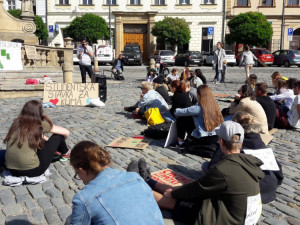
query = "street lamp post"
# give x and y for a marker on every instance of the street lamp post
(282, 25)
(109, 19)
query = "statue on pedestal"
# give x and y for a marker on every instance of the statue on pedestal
(27, 10)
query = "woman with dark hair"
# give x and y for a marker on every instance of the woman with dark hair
(199, 74)
(110, 196)
(28, 151)
(245, 101)
(151, 76)
(180, 98)
(206, 115)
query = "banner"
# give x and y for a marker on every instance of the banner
(70, 93)
(10, 56)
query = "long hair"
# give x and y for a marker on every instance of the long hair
(179, 86)
(247, 92)
(210, 109)
(28, 126)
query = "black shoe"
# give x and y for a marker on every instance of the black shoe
(129, 109)
(133, 166)
(174, 146)
(144, 171)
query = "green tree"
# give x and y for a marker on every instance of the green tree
(89, 26)
(251, 28)
(173, 31)
(41, 28)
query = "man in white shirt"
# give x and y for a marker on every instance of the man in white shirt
(294, 113)
(84, 54)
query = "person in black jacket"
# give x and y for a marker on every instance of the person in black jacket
(161, 88)
(119, 63)
(199, 74)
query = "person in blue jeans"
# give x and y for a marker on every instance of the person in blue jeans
(219, 57)
(110, 196)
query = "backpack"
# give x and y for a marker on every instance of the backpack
(158, 131)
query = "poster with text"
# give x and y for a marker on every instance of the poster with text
(70, 93)
(124, 142)
(170, 177)
(10, 56)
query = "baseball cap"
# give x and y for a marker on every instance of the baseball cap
(228, 129)
(158, 80)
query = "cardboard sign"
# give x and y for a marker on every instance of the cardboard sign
(254, 209)
(267, 156)
(123, 142)
(170, 177)
(70, 93)
(31, 52)
(172, 135)
(10, 56)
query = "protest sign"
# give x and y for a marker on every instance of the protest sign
(10, 56)
(31, 52)
(170, 177)
(266, 155)
(70, 93)
(254, 209)
(172, 135)
(123, 142)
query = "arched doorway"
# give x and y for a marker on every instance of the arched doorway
(295, 43)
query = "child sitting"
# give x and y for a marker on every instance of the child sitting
(151, 76)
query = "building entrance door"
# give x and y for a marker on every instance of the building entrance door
(207, 44)
(136, 33)
(295, 43)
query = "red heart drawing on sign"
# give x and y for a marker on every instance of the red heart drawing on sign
(54, 101)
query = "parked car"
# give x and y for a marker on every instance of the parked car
(132, 54)
(230, 58)
(164, 56)
(287, 57)
(209, 58)
(262, 55)
(75, 58)
(105, 54)
(188, 58)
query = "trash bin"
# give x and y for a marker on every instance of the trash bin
(101, 80)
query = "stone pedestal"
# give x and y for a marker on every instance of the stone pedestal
(68, 61)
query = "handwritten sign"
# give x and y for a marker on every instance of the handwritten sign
(70, 93)
(10, 56)
(254, 209)
(266, 155)
(123, 142)
(31, 52)
(170, 177)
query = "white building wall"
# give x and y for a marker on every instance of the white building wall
(41, 9)
(196, 14)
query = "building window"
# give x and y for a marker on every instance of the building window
(267, 2)
(135, 2)
(11, 4)
(206, 2)
(111, 2)
(64, 2)
(184, 2)
(242, 2)
(293, 3)
(159, 2)
(87, 2)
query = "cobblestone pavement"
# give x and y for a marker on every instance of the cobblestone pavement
(50, 202)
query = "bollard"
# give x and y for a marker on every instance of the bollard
(96, 68)
(152, 64)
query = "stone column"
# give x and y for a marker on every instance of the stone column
(68, 61)
(151, 44)
(119, 35)
(27, 10)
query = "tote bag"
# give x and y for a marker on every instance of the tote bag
(153, 116)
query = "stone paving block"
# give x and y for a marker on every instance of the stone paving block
(287, 210)
(36, 191)
(292, 220)
(22, 198)
(272, 221)
(7, 197)
(38, 216)
(20, 190)
(68, 196)
(18, 220)
(61, 184)
(64, 212)
(12, 209)
(48, 184)
(285, 192)
(44, 203)
(30, 205)
(2, 218)
(58, 202)
(53, 193)
(51, 216)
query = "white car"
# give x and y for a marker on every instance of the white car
(75, 58)
(105, 54)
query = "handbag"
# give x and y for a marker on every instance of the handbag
(153, 116)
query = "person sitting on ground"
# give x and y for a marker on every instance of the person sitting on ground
(261, 91)
(206, 118)
(119, 64)
(28, 151)
(157, 68)
(172, 76)
(110, 196)
(148, 99)
(222, 195)
(151, 76)
(253, 141)
(161, 88)
(184, 73)
(194, 80)
(276, 75)
(199, 74)
(252, 81)
(245, 101)
(191, 91)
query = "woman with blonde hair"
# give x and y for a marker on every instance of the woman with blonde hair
(110, 196)
(206, 115)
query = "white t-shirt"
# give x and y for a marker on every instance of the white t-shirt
(85, 58)
(172, 77)
(293, 115)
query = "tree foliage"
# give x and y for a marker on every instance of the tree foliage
(173, 31)
(88, 26)
(41, 28)
(250, 28)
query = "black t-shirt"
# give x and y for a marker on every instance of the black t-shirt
(164, 93)
(270, 109)
(180, 100)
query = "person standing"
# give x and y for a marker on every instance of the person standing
(247, 60)
(217, 62)
(84, 54)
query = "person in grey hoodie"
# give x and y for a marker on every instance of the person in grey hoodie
(217, 62)
(247, 60)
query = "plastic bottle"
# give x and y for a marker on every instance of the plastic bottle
(46, 79)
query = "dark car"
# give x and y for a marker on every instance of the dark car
(132, 54)
(287, 57)
(188, 58)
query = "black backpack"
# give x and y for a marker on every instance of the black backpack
(158, 131)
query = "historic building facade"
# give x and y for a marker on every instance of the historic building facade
(273, 10)
(132, 20)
